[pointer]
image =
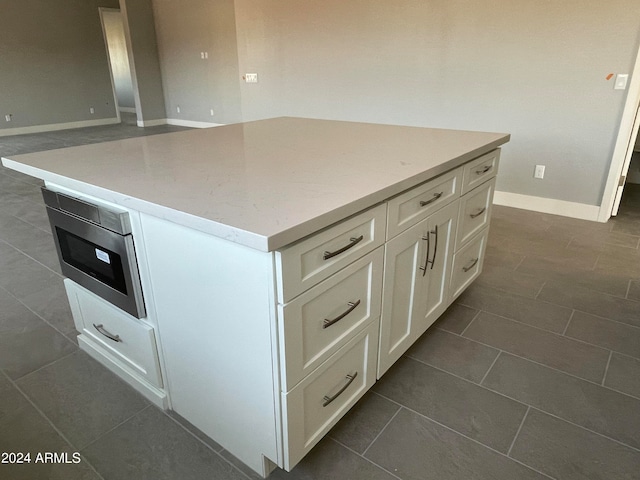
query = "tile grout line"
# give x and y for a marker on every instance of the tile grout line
(463, 435)
(581, 427)
(366, 459)
(495, 360)
(528, 360)
(30, 257)
(205, 444)
(472, 320)
(551, 331)
(116, 426)
(53, 362)
(606, 369)
(50, 422)
(513, 442)
(381, 431)
(566, 327)
(42, 318)
(517, 401)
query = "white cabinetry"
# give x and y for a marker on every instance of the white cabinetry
(416, 282)
(266, 351)
(125, 344)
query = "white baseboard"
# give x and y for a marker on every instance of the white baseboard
(190, 123)
(547, 205)
(152, 123)
(127, 109)
(5, 132)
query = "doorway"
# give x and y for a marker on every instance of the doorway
(624, 148)
(119, 65)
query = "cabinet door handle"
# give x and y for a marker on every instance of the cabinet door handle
(354, 241)
(327, 400)
(470, 266)
(474, 215)
(426, 260)
(352, 307)
(484, 169)
(100, 328)
(436, 196)
(435, 248)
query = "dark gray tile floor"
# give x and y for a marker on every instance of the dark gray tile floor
(534, 372)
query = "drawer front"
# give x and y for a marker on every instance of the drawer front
(467, 264)
(316, 404)
(133, 342)
(308, 262)
(478, 171)
(475, 212)
(418, 203)
(318, 322)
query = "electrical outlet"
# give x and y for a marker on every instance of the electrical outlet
(8, 117)
(539, 171)
(621, 81)
(212, 112)
(251, 77)
(178, 109)
(92, 110)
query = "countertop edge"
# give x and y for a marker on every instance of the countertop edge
(244, 237)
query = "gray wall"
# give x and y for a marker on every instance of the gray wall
(534, 69)
(197, 85)
(145, 66)
(117, 47)
(53, 62)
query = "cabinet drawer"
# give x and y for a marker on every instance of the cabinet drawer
(478, 171)
(475, 212)
(418, 203)
(306, 263)
(467, 264)
(321, 399)
(133, 343)
(318, 322)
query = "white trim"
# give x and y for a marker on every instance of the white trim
(622, 150)
(191, 123)
(127, 109)
(5, 132)
(101, 11)
(152, 123)
(547, 205)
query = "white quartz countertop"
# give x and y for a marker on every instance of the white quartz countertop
(263, 184)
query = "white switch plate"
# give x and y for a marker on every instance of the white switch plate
(539, 171)
(621, 81)
(7, 117)
(92, 110)
(251, 77)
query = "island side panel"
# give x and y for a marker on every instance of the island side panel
(216, 321)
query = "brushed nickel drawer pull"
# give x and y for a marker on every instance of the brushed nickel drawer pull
(352, 307)
(328, 400)
(100, 328)
(435, 247)
(474, 215)
(354, 241)
(484, 170)
(426, 261)
(436, 196)
(473, 264)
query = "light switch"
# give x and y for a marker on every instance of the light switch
(621, 81)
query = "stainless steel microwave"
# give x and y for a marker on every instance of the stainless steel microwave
(96, 250)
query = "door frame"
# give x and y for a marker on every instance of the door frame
(623, 150)
(102, 10)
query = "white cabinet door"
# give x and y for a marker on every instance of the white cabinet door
(416, 282)
(442, 231)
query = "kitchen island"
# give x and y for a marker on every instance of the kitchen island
(286, 264)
